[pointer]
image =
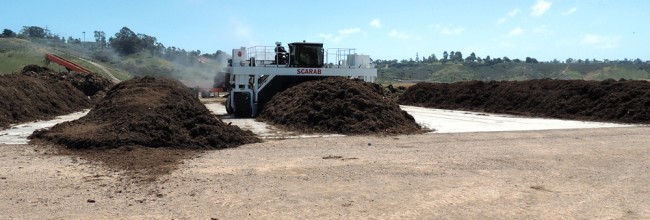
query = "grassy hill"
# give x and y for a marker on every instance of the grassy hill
(16, 53)
(455, 72)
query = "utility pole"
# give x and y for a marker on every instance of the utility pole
(84, 35)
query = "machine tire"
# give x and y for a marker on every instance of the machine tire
(229, 109)
(243, 107)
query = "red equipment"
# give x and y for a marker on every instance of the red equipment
(70, 66)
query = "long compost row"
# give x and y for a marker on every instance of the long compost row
(624, 101)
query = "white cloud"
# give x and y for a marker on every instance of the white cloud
(343, 33)
(510, 14)
(516, 32)
(330, 37)
(513, 13)
(243, 32)
(601, 41)
(570, 11)
(376, 23)
(543, 30)
(399, 35)
(349, 31)
(450, 29)
(506, 44)
(540, 8)
(326, 36)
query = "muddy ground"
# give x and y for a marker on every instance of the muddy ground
(556, 174)
(615, 101)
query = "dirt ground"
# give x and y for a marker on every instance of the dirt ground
(583, 174)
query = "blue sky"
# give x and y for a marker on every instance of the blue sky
(543, 29)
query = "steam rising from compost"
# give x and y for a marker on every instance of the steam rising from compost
(202, 73)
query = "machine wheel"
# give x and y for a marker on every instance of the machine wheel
(229, 109)
(243, 107)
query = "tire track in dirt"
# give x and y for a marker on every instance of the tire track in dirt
(103, 68)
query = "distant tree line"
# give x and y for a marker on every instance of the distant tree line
(31, 32)
(472, 59)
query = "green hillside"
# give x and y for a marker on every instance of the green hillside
(153, 59)
(15, 53)
(454, 72)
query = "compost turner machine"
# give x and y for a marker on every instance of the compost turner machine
(255, 74)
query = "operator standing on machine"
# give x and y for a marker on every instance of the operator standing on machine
(280, 53)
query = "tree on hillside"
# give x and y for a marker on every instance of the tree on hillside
(125, 42)
(471, 58)
(160, 49)
(100, 38)
(147, 43)
(33, 32)
(8, 33)
(531, 60)
(456, 56)
(445, 55)
(569, 60)
(73, 41)
(433, 58)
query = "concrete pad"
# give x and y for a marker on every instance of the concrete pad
(443, 121)
(452, 121)
(18, 134)
(261, 129)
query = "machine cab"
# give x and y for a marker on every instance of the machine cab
(303, 54)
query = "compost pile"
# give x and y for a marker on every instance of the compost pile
(338, 105)
(609, 100)
(91, 85)
(25, 98)
(149, 112)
